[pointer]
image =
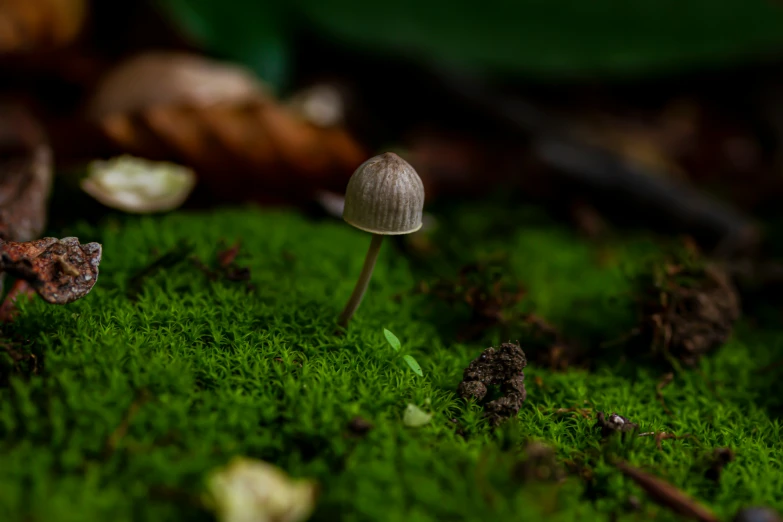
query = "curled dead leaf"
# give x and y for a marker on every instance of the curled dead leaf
(59, 270)
(220, 121)
(27, 25)
(166, 78)
(137, 185)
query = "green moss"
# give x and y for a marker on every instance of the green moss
(263, 375)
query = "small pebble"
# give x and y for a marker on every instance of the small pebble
(757, 514)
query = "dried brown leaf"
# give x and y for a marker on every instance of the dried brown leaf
(30, 25)
(60, 270)
(219, 120)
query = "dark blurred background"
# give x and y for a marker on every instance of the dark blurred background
(663, 114)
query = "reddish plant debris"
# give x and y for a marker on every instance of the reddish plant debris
(35, 25)
(662, 435)
(225, 122)
(502, 367)
(121, 430)
(587, 220)
(614, 423)
(549, 348)
(59, 270)
(174, 256)
(20, 289)
(719, 459)
(689, 311)
(539, 463)
(227, 267)
(484, 289)
(585, 413)
(667, 495)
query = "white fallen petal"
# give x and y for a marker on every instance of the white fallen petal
(415, 417)
(249, 490)
(137, 185)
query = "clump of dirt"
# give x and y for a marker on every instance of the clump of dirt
(614, 423)
(486, 289)
(689, 310)
(360, 426)
(500, 367)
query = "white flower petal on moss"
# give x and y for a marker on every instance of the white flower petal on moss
(248, 490)
(137, 185)
(415, 417)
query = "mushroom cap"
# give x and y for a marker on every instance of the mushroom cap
(385, 196)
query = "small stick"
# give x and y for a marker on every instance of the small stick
(666, 494)
(364, 280)
(603, 173)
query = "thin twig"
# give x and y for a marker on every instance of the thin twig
(667, 495)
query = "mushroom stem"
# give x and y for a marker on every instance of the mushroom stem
(364, 280)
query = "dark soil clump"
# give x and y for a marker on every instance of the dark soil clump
(486, 290)
(689, 311)
(502, 367)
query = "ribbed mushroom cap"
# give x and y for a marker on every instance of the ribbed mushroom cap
(385, 196)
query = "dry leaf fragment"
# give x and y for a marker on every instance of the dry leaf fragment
(28, 25)
(60, 270)
(25, 175)
(137, 185)
(248, 490)
(219, 120)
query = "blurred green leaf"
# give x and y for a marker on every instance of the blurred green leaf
(253, 33)
(528, 37)
(566, 37)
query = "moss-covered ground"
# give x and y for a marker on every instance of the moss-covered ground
(262, 374)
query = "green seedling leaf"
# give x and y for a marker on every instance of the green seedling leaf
(393, 341)
(414, 417)
(414, 365)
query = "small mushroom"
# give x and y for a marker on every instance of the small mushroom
(385, 197)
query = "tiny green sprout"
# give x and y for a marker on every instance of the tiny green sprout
(393, 341)
(413, 365)
(409, 360)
